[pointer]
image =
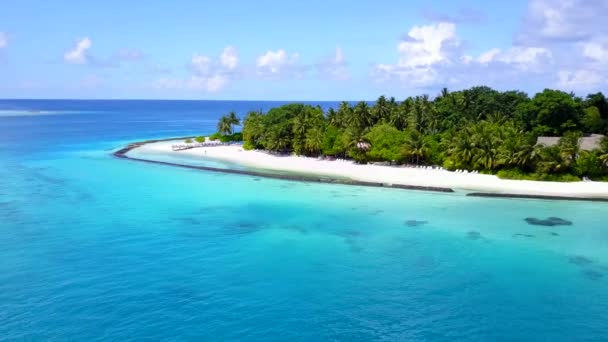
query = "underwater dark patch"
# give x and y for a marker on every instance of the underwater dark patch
(425, 262)
(473, 235)
(554, 234)
(245, 224)
(523, 235)
(351, 233)
(579, 260)
(298, 229)
(242, 227)
(549, 221)
(592, 275)
(352, 244)
(415, 223)
(187, 220)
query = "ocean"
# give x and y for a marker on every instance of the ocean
(97, 248)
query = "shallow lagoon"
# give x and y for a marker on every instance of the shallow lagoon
(106, 249)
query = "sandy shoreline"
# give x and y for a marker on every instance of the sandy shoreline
(406, 176)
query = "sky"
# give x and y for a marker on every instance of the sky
(298, 50)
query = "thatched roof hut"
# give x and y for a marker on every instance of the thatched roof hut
(589, 143)
(363, 145)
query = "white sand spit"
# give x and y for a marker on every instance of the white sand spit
(376, 173)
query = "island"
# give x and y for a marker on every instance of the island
(478, 141)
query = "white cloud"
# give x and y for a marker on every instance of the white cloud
(574, 32)
(230, 58)
(3, 40)
(206, 74)
(566, 20)
(466, 59)
(209, 84)
(334, 67)
(277, 64)
(212, 84)
(423, 50)
(431, 56)
(488, 56)
(522, 57)
(425, 45)
(595, 51)
(200, 64)
(579, 80)
(549, 14)
(78, 54)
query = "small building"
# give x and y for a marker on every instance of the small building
(363, 145)
(589, 143)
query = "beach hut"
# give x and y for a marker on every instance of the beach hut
(589, 143)
(363, 145)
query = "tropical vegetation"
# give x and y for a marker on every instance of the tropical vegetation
(473, 129)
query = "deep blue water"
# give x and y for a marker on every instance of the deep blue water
(95, 248)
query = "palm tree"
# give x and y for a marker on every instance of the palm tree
(333, 118)
(461, 148)
(487, 140)
(314, 140)
(360, 117)
(604, 151)
(523, 153)
(416, 146)
(224, 125)
(569, 147)
(253, 128)
(344, 115)
(234, 120)
(400, 116)
(381, 110)
(300, 125)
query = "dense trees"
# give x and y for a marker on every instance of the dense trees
(226, 123)
(552, 112)
(473, 129)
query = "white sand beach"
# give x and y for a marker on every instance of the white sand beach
(375, 173)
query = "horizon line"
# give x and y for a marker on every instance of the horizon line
(193, 100)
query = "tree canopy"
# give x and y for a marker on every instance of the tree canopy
(474, 129)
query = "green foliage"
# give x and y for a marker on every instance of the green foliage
(215, 136)
(226, 123)
(386, 143)
(188, 141)
(598, 101)
(416, 147)
(238, 136)
(313, 141)
(475, 129)
(569, 148)
(592, 121)
(520, 175)
(253, 130)
(554, 109)
(333, 143)
(200, 139)
(590, 165)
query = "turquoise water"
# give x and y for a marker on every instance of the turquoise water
(100, 249)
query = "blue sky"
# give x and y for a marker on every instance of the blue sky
(306, 50)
